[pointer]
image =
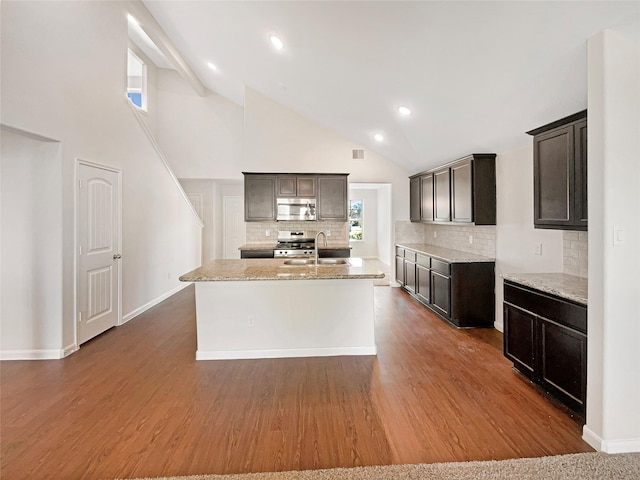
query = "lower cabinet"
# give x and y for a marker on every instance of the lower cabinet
(334, 253)
(267, 253)
(461, 293)
(546, 339)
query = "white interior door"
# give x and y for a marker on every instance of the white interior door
(234, 234)
(99, 250)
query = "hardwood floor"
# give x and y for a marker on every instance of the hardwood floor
(134, 403)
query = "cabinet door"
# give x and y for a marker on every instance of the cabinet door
(553, 170)
(580, 198)
(410, 276)
(423, 283)
(519, 337)
(414, 199)
(563, 362)
(259, 198)
(332, 198)
(462, 192)
(441, 293)
(400, 270)
(442, 196)
(286, 186)
(306, 187)
(426, 213)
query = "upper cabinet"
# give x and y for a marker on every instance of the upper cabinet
(414, 202)
(333, 198)
(259, 197)
(262, 189)
(296, 186)
(463, 191)
(560, 173)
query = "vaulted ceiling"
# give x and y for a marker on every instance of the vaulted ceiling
(476, 75)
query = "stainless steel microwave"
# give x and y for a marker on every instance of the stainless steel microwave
(301, 209)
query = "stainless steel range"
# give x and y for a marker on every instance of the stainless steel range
(295, 244)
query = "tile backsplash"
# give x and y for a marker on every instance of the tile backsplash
(575, 253)
(455, 237)
(256, 231)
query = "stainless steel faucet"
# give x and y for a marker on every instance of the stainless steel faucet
(316, 244)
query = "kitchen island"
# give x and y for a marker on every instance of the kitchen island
(267, 308)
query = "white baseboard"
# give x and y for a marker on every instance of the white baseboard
(152, 303)
(610, 446)
(31, 354)
(68, 350)
(498, 326)
(283, 353)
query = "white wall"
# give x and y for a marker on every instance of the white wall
(64, 77)
(516, 238)
(200, 136)
(385, 225)
(277, 139)
(613, 379)
(31, 315)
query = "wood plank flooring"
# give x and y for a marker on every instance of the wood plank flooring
(135, 403)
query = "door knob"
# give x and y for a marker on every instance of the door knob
(116, 256)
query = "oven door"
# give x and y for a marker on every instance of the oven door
(296, 209)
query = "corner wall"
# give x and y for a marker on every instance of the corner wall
(613, 368)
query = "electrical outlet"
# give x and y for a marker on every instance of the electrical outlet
(267, 233)
(328, 233)
(169, 276)
(251, 321)
(538, 249)
(435, 234)
(470, 239)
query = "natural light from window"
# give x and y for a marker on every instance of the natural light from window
(136, 80)
(355, 220)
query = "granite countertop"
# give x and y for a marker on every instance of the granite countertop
(271, 246)
(275, 269)
(446, 254)
(566, 286)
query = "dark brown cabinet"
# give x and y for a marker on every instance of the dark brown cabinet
(296, 186)
(461, 293)
(414, 200)
(332, 198)
(442, 196)
(463, 191)
(262, 189)
(546, 339)
(560, 173)
(259, 197)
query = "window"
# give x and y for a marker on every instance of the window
(136, 80)
(355, 220)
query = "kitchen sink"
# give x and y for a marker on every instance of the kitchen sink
(310, 262)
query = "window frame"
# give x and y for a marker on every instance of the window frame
(360, 218)
(143, 88)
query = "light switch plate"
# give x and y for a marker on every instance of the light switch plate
(618, 236)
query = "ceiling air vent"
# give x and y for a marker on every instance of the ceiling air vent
(358, 154)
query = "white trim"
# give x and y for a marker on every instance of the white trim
(137, 113)
(152, 303)
(31, 354)
(610, 446)
(68, 350)
(283, 353)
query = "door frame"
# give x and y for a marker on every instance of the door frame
(76, 241)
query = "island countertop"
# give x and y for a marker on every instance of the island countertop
(275, 269)
(272, 246)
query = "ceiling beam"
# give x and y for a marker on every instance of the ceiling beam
(152, 28)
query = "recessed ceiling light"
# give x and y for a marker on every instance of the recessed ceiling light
(212, 66)
(378, 137)
(404, 111)
(276, 42)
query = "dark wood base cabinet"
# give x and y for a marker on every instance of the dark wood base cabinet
(546, 338)
(461, 293)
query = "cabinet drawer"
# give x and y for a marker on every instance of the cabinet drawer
(399, 252)
(410, 256)
(560, 311)
(441, 267)
(424, 261)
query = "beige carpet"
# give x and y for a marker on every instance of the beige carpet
(579, 466)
